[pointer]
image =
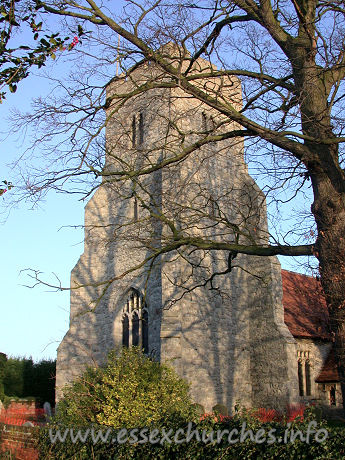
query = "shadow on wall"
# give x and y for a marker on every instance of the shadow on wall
(227, 338)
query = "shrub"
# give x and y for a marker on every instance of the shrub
(23, 378)
(208, 447)
(131, 390)
(3, 359)
(13, 377)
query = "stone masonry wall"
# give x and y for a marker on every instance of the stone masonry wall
(227, 339)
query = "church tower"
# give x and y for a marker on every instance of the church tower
(216, 317)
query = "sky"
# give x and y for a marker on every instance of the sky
(34, 320)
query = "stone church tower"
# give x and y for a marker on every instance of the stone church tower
(227, 336)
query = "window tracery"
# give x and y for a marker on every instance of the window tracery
(135, 321)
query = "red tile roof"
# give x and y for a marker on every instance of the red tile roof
(329, 371)
(305, 309)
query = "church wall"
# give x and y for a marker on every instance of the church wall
(330, 401)
(316, 352)
(230, 342)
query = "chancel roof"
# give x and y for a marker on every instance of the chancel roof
(305, 310)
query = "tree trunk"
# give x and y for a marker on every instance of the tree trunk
(328, 181)
(329, 212)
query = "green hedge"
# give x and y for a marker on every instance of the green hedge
(3, 359)
(23, 378)
(332, 448)
(133, 391)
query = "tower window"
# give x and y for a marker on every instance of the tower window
(137, 130)
(135, 209)
(134, 132)
(125, 331)
(135, 322)
(141, 128)
(212, 206)
(207, 124)
(135, 329)
(204, 121)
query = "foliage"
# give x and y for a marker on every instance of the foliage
(3, 359)
(208, 446)
(4, 188)
(131, 390)
(14, 377)
(16, 61)
(292, 413)
(23, 378)
(290, 60)
(290, 57)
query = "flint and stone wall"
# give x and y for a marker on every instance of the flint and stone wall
(229, 342)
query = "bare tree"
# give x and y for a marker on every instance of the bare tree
(290, 58)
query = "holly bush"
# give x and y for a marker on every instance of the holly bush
(131, 390)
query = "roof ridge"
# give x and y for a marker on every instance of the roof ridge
(301, 274)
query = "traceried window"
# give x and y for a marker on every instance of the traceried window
(125, 331)
(135, 321)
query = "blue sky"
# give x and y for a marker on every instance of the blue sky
(33, 321)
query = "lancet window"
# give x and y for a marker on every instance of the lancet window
(207, 123)
(135, 321)
(137, 130)
(135, 209)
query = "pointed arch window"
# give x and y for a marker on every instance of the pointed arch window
(204, 123)
(125, 331)
(135, 329)
(135, 321)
